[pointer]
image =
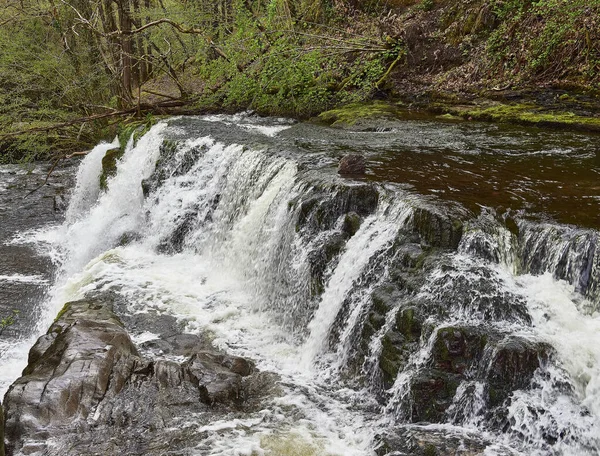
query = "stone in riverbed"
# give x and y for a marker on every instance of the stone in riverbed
(87, 390)
(352, 165)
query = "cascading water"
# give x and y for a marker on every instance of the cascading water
(395, 323)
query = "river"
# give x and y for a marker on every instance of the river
(445, 303)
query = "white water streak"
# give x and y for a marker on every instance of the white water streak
(375, 234)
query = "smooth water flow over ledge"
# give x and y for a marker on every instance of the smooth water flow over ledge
(396, 321)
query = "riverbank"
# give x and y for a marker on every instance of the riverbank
(530, 63)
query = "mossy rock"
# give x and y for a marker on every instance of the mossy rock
(63, 311)
(409, 324)
(319, 260)
(436, 229)
(355, 114)
(529, 114)
(457, 349)
(109, 165)
(321, 212)
(398, 344)
(392, 358)
(432, 392)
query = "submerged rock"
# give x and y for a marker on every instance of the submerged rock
(352, 165)
(88, 390)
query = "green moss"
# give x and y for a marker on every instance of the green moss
(109, 165)
(528, 114)
(349, 114)
(449, 116)
(63, 311)
(440, 349)
(390, 359)
(408, 325)
(430, 450)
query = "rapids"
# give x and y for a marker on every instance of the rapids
(446, 302)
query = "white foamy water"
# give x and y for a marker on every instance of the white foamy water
(375, 234)
(21, 278)
(87, 187)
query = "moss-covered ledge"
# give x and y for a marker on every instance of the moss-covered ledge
(564, 112)
(527, 114)
(353, 114)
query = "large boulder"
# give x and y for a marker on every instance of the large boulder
(85, 355)
(88, 389)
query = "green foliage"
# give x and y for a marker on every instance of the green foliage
(427, 5)
(44, 78)
(8, 321)
(549, 38)
(283, 57)
(279, 71)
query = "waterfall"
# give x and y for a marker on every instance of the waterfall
(378, 323)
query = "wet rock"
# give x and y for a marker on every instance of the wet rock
(163, 168)
(168, 165)
(410, 254)
(458, 349)
(109, 165)
(129, 237)
(89, 355)
(352, 222)
(87, 389)
(399, 343)
(432, 392)
(59, 203)
(320, 260)
(221, 375)
(175, 241)
(419, 441)
(512, 366)
(322, 210)
(472, 290)
(352, 165)
(260, 385)
(437, 229)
